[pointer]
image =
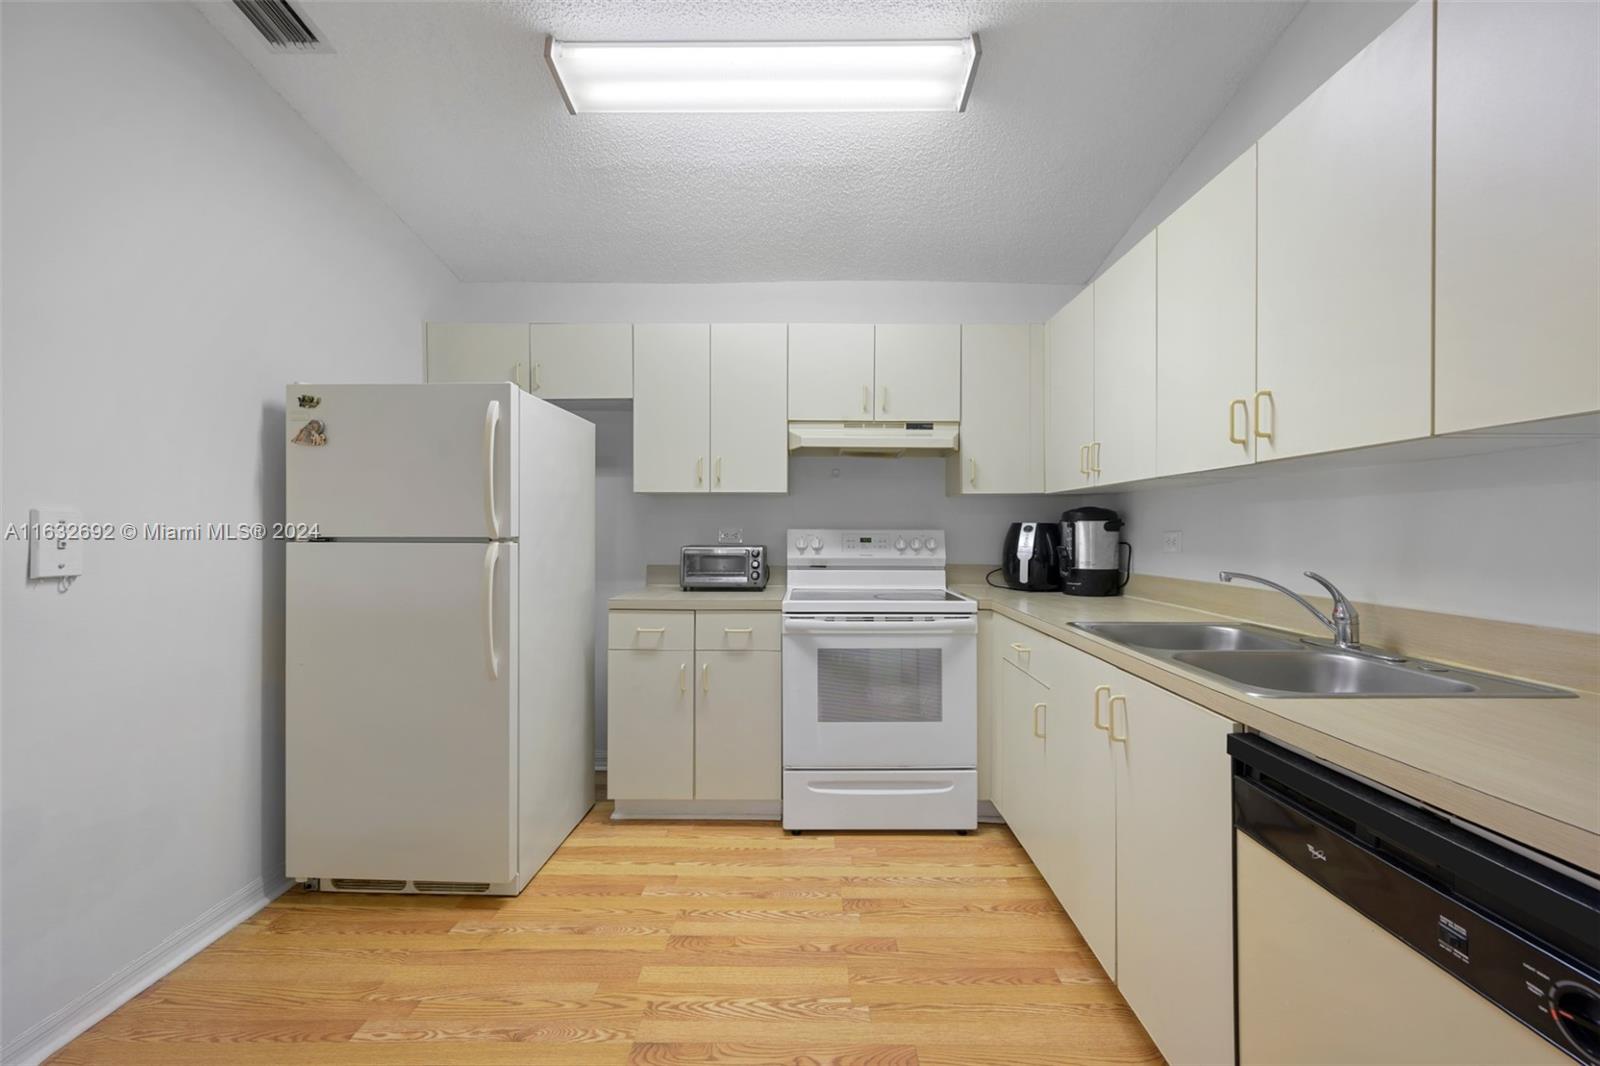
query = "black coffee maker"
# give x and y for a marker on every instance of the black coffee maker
(1030, 558)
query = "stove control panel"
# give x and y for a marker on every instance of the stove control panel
(867, 547)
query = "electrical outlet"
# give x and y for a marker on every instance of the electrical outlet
(730, 536)
(1172, 541)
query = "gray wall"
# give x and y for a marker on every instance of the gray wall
(178, 246)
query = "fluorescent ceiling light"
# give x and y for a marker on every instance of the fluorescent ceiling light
(764, 75)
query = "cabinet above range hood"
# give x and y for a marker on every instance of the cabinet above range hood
(882, 439)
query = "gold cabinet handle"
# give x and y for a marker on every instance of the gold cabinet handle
(1094, 458)
(537, 384)
(883, 404)
(1243, 436)
(1098, 689)
(972, 472)
(649, 629)
(705, 677)
(700, 471)
(517, 374)
(1037, 707)
(1121, 738)
(1266, 434)
(719, 470)
(683, 678)
(866, 399)
(1083, 459)
(1023, 651)
(741, 630)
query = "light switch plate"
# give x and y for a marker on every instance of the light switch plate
(61, 556)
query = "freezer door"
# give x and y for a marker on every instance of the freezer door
(403, 461)
(400, 737)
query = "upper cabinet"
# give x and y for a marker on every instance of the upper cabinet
(580, 362)
(1069, 395)
(1518, 215)
(1206, 325)
(1344, 354)
(749, 427)
(917, 373)
(671, 408)
(845, 373)
(1002, 411)
(478, 352)
(708, 409)
(1124, 447)
(830, 372)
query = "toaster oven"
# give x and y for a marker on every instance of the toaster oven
(723, 566)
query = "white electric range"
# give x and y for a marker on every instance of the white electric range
(880, 684)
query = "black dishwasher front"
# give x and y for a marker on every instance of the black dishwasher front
(1524, 936)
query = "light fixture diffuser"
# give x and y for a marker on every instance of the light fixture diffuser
(741, 76)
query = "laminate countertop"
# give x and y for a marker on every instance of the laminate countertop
(1528, 769)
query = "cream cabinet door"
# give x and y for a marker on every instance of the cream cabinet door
(749, 408)
(1023, 702)
(830, 372)
(580, 362)
(1206, 325)
(671, 408)
(1080, 770)
(1174, 863)
(1069, 395)
(650, 724)
(1518, 223)
(738, 726)
(1345, 254)
(1002, 411)
(460, 351)
(917, 371)
(1125, 368)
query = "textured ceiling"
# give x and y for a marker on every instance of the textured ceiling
(1079, 112)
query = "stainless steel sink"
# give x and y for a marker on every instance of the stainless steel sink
(1191, 636)
(1275, 663)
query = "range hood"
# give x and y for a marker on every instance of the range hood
(882, 439)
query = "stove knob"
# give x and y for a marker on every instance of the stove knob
(916, 544)
(933, 543)
(899, 544)
(816, 544)
(799, 544)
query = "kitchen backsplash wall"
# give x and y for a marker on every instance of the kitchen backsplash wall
(1511, 535)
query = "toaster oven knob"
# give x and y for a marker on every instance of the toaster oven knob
(899, 544)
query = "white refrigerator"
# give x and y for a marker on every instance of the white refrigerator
(439, 649)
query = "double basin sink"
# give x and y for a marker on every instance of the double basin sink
(1259, 661)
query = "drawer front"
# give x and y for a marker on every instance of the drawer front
(1020, 646)
(651, 630)
(738, 631)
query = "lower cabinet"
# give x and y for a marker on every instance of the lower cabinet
(694, 703)
(1120, 793)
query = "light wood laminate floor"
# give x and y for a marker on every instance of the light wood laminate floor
(659, 943)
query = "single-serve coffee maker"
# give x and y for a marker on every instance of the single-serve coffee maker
(1095, 560)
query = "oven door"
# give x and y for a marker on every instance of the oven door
(880, 692)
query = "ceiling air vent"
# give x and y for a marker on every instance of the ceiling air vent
(281, 26)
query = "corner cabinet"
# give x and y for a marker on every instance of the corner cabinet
(1112, 784)
(694, 712)
(1518, 215)
(1124, 447)
(465, 351)
(1344, 350)
(1002, 412)
(708, 409)
(1069, 395)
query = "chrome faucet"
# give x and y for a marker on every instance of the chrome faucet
(1345, 623)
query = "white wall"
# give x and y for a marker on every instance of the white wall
(179, 246)
(1512, 535)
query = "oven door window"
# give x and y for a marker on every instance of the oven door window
(880, 685)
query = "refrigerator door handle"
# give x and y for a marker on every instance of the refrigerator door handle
(490, 557)
(491, 422)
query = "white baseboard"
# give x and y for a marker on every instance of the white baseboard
(38, 1042)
